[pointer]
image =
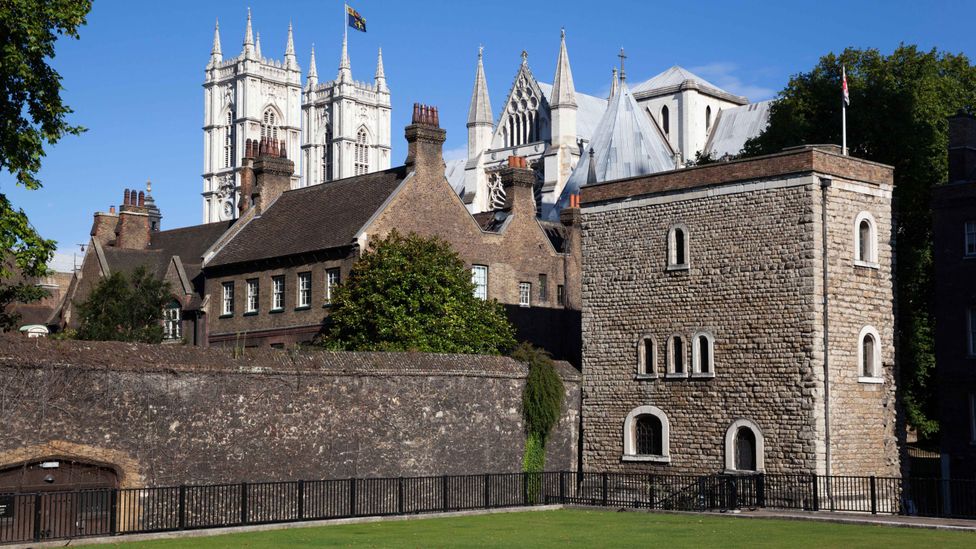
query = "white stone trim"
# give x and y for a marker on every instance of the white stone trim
(630, 435)
(875, 376)
(642, 372)
(730, 445)
(669, 357)
(696, 355)
(871, 261)
(673, 264)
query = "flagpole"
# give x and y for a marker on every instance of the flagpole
(345, 22)
(843, 112)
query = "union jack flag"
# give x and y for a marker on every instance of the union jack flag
(847, 98)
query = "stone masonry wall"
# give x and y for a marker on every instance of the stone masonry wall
(179, 414)
(750, 284)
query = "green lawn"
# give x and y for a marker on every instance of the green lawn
(584, 528)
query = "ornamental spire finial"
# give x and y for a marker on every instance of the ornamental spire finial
(345, 73)
(313, 72)
(215, 50)
(248, 37)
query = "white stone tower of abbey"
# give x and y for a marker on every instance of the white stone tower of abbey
(331, 130)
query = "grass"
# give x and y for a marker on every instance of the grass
(582, 528)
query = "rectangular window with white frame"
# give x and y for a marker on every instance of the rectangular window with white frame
(332, 280)
(525, 294)
(228, 299)
(971, 239)
(277, 293)
(304, 289)
(252, 295)
(479, 277)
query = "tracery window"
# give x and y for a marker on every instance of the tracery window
(229, 140)
(269, 125)
(361, 162)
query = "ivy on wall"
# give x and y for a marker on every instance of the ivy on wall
(542, 402)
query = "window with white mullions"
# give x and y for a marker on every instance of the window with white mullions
(479, 277)
(228, 299)
(172, 321)
(278, 293)
(304, 289)
(252, 296)
(525, 294)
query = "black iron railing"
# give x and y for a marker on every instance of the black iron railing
(26, 517)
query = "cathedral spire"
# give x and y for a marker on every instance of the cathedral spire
(257, 47)
(480, 110)
(215, 54)
(313, 72)
(248, 37)
(380, 75)
(563, 92)
(345, 73)
(290, 61)
(613, 83)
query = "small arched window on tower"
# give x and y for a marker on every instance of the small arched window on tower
(229, 140)
(646, 434)
(665, 120)
(327, 156)
(676, 357)
(646, 357)
(678, 248)
(703, 355)
(869, 356)
(708, 118)
(865, 241)
(269, 125)
(362, 152)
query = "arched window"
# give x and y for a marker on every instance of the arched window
(676, 356)
(646, 357)
(745, 447)
(665, 120)
(865, 241)
(229, 140)
(678, 247)
(172, 325)
(703, 355)
(708, 118)
(646, 435)
(869, 356)
(361, 162)
(327, 156)
(269, 124)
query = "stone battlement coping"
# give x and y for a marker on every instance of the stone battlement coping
(19, 351)
(798, 160)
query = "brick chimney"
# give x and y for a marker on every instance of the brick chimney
(103, 227)
(962, 147)
(272, 173)
(518, 181)
(132, 230)
(247, 176)
(425, 141)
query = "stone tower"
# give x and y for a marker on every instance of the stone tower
(346, 123)
(247, 97)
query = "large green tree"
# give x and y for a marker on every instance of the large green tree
(899, 106)
(125, 308)
(411, 293)
(32, 115)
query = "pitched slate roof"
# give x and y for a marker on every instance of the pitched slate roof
(454, 172)
(312, 218)
(735, 126)
(625, 144)
(188, 242)
(675, 78)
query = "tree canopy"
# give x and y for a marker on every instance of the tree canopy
(32, 115)
(125, 308)
(898, 116)
(411, 293)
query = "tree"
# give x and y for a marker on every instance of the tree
(415, 294)
(899, 106)
(125, 308)
(31, 115)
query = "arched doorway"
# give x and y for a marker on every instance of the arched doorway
(745, 449)
(74, 498)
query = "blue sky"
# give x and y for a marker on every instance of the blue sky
(134, 78)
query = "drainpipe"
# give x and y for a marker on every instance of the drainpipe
(824, 187)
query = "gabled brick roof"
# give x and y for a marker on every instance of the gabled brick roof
(313, 218)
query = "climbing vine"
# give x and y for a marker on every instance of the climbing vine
(542, 402)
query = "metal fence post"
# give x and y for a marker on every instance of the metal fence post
(651, 492)
(444, 491)
(352, 497)
(37, 517)
(525, 488)
(400, 505)
(606, 486)
(761, 490)
(182, 507)
(562, 487)
(734, 493)
(301, 500)
(243, 503)
(701, 492)
(816, 493)
(874, 495)
(113, 519)
(487, 491)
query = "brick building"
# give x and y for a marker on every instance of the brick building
(269, 278)
(739, 317)
(954, 254)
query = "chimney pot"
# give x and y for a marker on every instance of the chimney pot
(111, 209)
(283, 150)
(142, 199)
(125, 198)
